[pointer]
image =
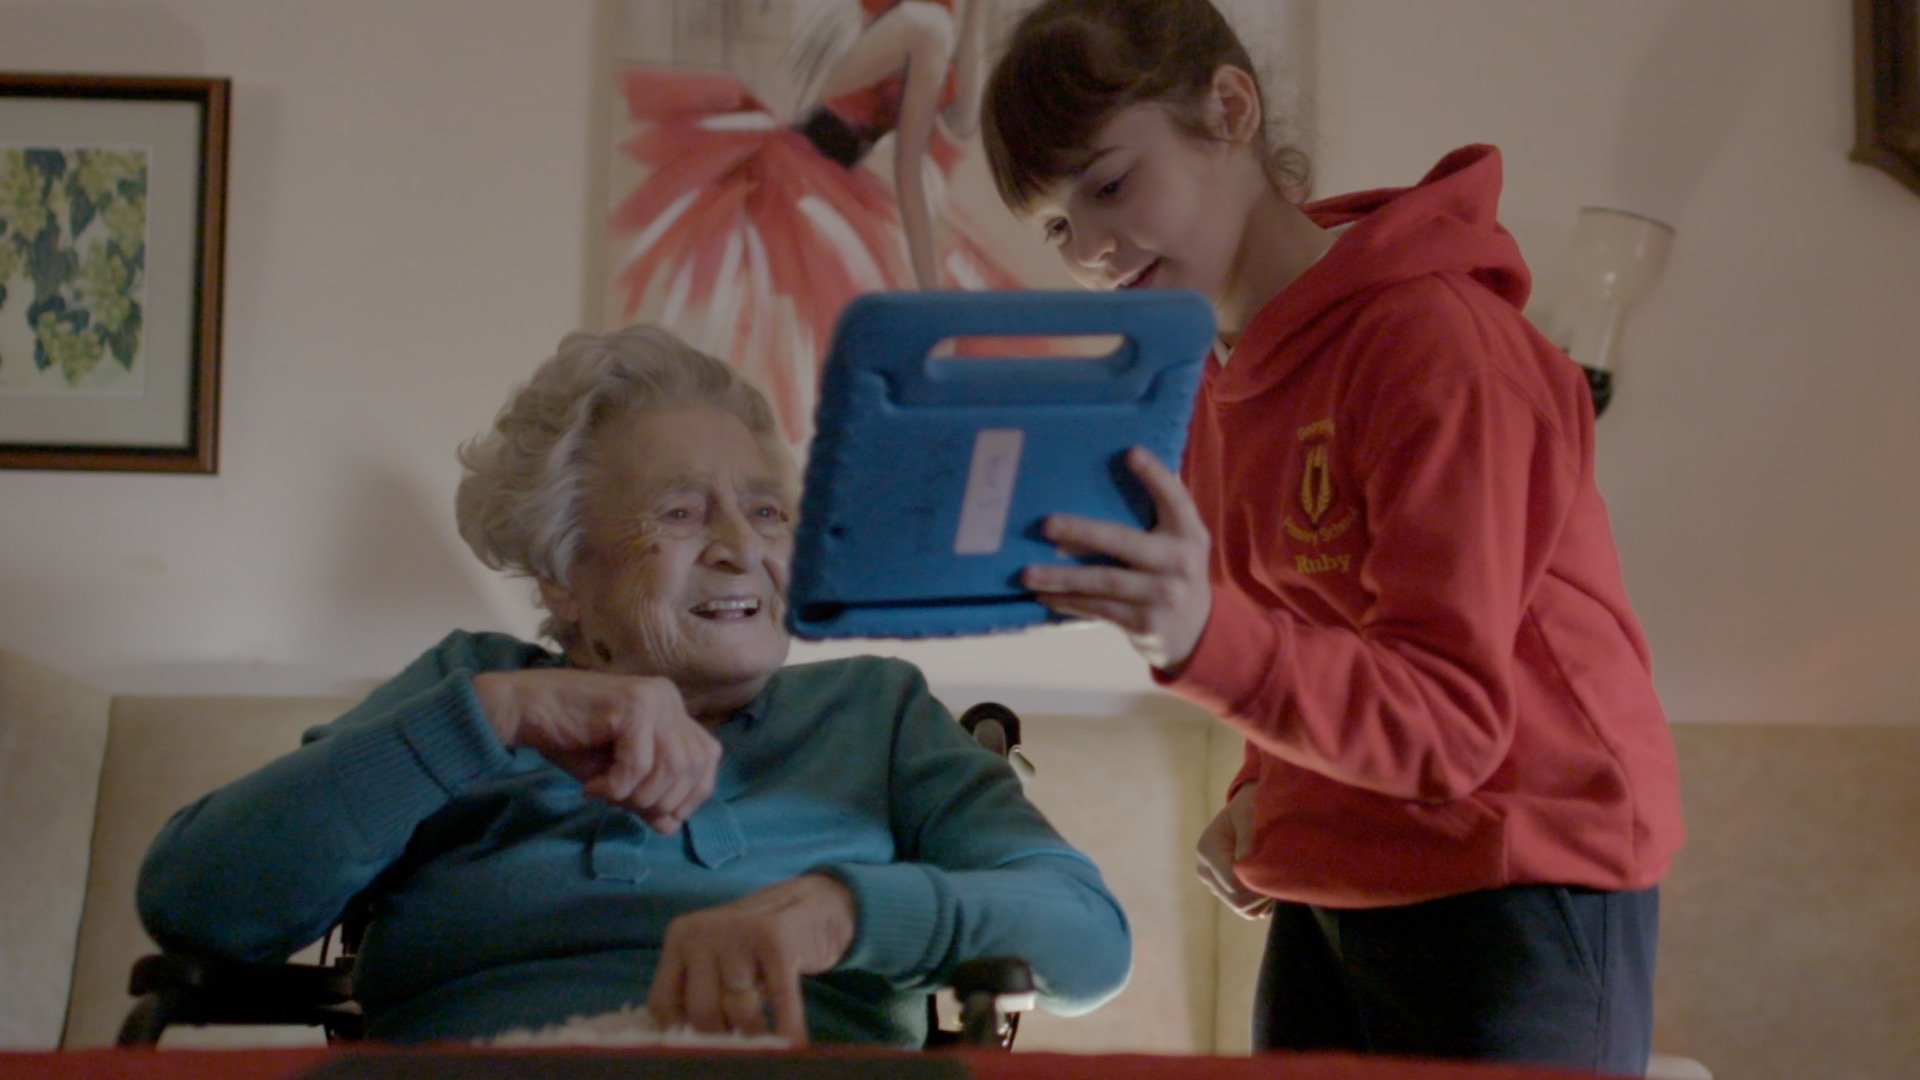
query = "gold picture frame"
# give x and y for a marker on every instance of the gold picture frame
(112, 238)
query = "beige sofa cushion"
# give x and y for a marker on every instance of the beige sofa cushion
(162, 753)
(1790, 926)
(53, 732)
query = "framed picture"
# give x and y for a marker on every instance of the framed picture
(1886, 62)
(112, 215)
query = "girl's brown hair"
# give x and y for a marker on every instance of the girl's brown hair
(1070, 65)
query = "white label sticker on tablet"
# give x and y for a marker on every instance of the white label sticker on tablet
(983, 511)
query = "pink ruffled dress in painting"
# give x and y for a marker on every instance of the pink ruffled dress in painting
(747, 235)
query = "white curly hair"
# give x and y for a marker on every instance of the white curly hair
(519, 505)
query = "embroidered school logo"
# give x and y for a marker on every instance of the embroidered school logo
(1316, 484)
(1320, 520)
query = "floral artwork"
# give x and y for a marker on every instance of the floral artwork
(73, 250)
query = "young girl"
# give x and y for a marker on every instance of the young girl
(1393, 575)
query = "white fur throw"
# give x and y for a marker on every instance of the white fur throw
(633, 1026)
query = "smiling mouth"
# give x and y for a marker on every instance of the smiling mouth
(1139, 278)
(728, 610)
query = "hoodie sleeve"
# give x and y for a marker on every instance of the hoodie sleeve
(259, 868)
(981, 873)
(1466, 480)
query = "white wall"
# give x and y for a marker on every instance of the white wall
(412, 186)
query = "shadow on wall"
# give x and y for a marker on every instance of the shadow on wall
(392, 580)
(400, 578)
(1683, 97)
(74, 37)
(593, 224)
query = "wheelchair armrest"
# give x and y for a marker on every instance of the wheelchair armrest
(997, 728)
(185, 988)
(216, 978)
(993, 991)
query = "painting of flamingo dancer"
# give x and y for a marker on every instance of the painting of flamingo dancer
(745, 226)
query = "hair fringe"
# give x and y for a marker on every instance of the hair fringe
(1070, 65)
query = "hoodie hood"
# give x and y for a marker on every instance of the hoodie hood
(1447, 223)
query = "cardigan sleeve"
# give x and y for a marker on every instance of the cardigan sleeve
(261, 867)
(981, 873)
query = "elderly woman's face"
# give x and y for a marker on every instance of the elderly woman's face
(682, 569)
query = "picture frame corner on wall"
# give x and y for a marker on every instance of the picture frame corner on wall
(113, 192)
(1887, 88)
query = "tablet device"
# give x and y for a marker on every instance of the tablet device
(932, 468)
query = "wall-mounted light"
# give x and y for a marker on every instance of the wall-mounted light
(1617, 257)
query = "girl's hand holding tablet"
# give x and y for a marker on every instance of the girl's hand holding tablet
(1157, 593)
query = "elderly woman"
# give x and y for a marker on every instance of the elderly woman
(659, 812)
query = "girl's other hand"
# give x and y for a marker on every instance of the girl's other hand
(1224, 841)
(1159, 594)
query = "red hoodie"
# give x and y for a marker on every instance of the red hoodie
(1418, 617)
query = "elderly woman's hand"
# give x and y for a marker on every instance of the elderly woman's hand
(626, 738)
(732, 967)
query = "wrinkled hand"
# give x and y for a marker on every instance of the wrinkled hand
(626, 738)
(1159, 595)
(732, 967)
(1225, 840)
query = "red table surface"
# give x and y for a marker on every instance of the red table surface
(286, 1064)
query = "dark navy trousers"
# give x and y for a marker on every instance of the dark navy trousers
(1541, 974)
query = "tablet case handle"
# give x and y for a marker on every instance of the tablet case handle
(896, 339)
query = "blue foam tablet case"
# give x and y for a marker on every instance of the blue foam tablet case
(929, 476)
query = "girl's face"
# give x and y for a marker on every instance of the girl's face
(1156, 207)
